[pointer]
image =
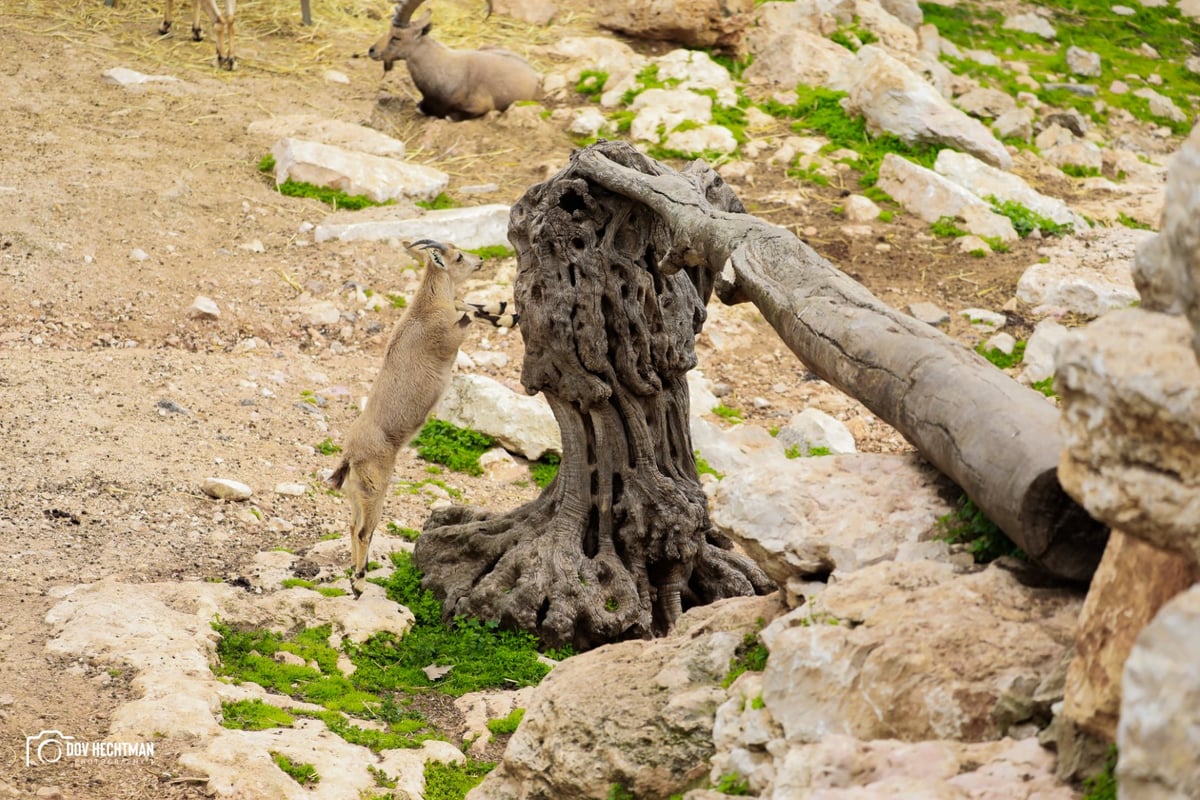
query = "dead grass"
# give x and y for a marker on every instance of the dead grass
(270, 36)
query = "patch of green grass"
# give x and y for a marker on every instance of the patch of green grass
(1000, 358)
(453, 781)
(591, 84)
(494, 251)
(414, 487)
(947, 227)
(303, 774)
(811, 174)
(1080, 171)
(750, 656)
(397, 300)
(545, 469)
(757, 702)
(482, 655)
(647, 79)
(291, 583)
(1025, 221)
(332, 197)
(254, 715)
(733, 784)
(453, 447)
(618, 792)
(330, 591)
(886, 215)
(382, 779)
(729, 414)
(968, 525)
(442, 201)
(1130, 222)
(328, 447)
(411, 534)
(1103, 786)
(1045, 386)
(818, 110)
(853, 36)
(310, 397)
(734, 66)
(704, 468)
(506, 725)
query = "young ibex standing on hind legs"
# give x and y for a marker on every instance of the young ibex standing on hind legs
(459, 84)
(416, 371)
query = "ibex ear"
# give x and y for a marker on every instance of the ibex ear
(430, 249)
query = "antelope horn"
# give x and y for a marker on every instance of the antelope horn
(428, 244)
(404, 12)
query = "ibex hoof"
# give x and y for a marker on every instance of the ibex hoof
(197, 35)
(164, 29)
(358, 586)
(225, 62)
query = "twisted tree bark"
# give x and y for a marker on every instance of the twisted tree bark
(620, 543)
(996, 439)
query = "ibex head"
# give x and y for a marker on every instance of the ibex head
(448, 258)
(399, 41)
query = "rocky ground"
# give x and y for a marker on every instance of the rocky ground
(121, 205)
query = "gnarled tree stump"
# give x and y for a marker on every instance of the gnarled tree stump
(620, 543)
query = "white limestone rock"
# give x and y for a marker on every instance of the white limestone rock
(983, 180)
(314, 128)
(469, 228)
(378, 178)
(522, 424)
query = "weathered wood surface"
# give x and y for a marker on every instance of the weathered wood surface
(620, 543)
(995, 438)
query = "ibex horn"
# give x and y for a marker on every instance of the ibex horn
(404, 12)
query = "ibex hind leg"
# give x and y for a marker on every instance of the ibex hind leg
(168, 18)
(365, 487)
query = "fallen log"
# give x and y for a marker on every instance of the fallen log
(998, 440)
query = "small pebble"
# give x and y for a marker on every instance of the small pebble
(225, 489)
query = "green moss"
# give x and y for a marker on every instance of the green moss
(1130, 222)
(733, 784)
(453, 781)
(303, 774)
(442, 201)
(330, 591)
(411, 534)
(618, 792)
(1026, 221)
(704, 468)
(853, 36)
(725, 412)
(1045, 386)
(886, 215)
(453, 447)
(750, 656)
(591, 83)
(254, 715)
(647, 79)
(1080, 171)
(482, 655)
(506, 725)
(333, 197)
(947, 227)
(545, 469)
(968, 525)
(758, 702)
(291, 583)
(1103, 786)
(328, 447)
(494, 252)
(1000, 358)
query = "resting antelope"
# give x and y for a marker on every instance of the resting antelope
(459, 84)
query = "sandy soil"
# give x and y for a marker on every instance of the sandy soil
(119, 206)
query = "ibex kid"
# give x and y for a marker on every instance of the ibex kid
(416, 371)
(458, 84)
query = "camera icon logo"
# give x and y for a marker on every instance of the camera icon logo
(46, 748)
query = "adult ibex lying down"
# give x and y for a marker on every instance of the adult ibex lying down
(459, 84)
(416, 371)
(222, 25)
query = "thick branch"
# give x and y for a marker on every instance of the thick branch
(997, 439)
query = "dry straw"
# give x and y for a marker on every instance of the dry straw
(270, 36)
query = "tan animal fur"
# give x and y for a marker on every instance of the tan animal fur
(458, 84)
(416, 371)
(222, 25)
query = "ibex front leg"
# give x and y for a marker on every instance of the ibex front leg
(222, 29)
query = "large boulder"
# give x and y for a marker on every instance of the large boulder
(1159, 734)
(1167, 268)
(638, 714)
(913, 652)
(1130, 389)
(1134, 580)
(804, 518)
(894, 99)
(694, 23)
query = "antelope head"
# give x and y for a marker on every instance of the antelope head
(403, 36)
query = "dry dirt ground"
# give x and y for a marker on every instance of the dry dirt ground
(118, 206)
